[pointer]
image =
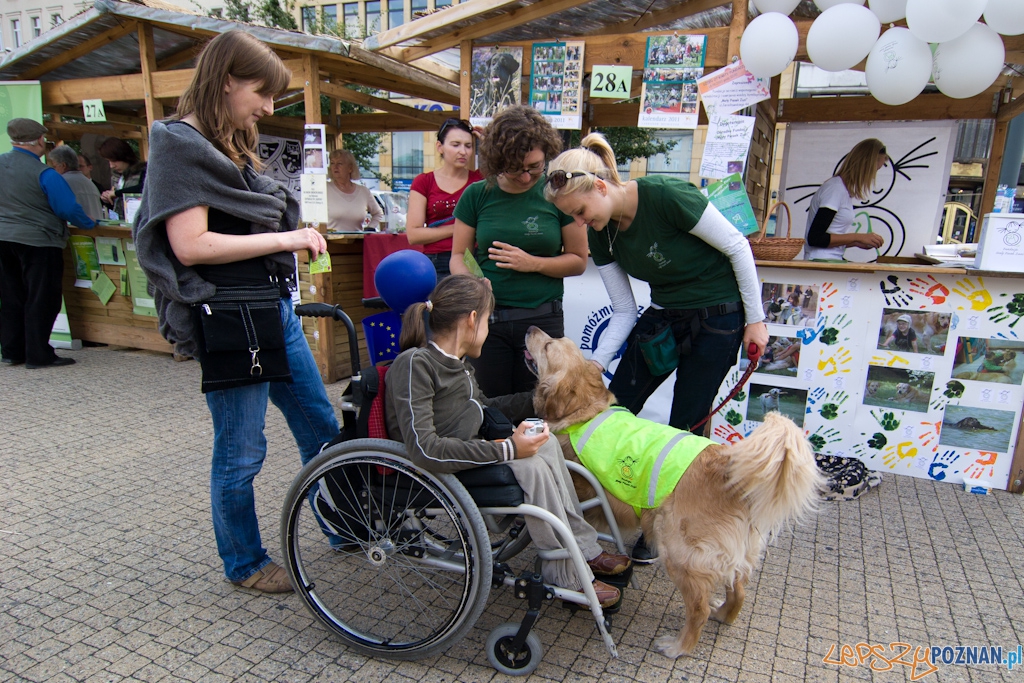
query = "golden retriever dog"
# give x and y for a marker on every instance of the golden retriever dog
(710, 529)
(905, 393)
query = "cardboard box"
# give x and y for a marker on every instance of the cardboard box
(1002, 243)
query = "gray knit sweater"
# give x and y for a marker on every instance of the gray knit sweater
(185, 171)
(434, 406)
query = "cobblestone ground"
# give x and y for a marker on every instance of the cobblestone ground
(108, 569)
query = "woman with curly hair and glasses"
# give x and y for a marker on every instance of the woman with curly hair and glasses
(523, 244)
(434, 195)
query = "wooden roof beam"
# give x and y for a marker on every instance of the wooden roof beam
(450, 15)
(109, 36)
(652, 19)
(179, 57)
(367, 100)
(516, 17)
(925, 107)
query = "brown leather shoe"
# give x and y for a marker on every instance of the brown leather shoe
(607, 564)
(606, 595)
(271, 579)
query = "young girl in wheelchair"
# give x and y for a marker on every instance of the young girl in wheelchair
(434, 406)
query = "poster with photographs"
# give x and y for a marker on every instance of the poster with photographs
(672, 65)
(915, 374)
(314, 149)
(496, 82)
(282, 160)
(556, 84)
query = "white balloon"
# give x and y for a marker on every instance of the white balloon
(827, 4)
(966, 66)
(780, 6)
(936, 21)
(898, 67)
(888, 11)
(769, 44)
(841, 36)
(1005, 16)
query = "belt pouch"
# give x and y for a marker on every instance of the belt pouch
(241, 338)
(659, 349)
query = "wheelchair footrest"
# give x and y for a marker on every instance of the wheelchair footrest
(620, 581)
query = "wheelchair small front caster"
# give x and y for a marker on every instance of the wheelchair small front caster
(524, 662)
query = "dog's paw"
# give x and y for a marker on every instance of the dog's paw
(669, 646)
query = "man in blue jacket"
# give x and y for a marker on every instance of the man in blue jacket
(35, 205)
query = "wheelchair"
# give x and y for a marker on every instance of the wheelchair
(399, 562)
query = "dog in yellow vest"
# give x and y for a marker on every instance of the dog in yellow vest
(708, 507)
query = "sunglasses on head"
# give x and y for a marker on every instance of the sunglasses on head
(461, 124)
(558, 179)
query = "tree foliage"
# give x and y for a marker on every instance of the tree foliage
(265, 12)
(630, 143)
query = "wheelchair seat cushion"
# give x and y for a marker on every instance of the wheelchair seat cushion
(492, 486)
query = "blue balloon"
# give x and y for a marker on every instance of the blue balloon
(403, 278)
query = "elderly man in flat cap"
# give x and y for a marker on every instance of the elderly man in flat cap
(35, 205)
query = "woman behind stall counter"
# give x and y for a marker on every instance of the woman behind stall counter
(349, 202)
(831, 213)
(434, 195)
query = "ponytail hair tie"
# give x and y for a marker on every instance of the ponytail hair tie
(429, 305)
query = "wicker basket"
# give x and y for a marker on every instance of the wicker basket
(776, 248)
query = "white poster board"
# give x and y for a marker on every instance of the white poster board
(906, 203)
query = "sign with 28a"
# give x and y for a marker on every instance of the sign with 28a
(94, 110)
(611, 81)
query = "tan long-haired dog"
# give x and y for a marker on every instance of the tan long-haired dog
(710, 530)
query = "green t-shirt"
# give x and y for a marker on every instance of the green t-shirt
(523, 220)
(684, 271)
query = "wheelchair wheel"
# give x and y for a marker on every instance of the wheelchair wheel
(524, 662)
(395, 560)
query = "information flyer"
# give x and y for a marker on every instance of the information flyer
(556, 84)
(726, 146)
(730, 89)
(142, 302)
(730, 197)
(87, 260)
(672, 66)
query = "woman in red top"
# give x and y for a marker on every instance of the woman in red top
(433, 195)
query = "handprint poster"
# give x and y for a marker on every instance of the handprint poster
(916, 176)
(918, 375)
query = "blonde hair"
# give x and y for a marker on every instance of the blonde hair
(246, 59)
(349, 158)
(595, 156)
(860, 167)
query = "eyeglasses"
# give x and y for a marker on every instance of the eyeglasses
(461, 124)
(558, 179)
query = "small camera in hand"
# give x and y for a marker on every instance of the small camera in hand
(536, 426)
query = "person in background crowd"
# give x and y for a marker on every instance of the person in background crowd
(34, 206)
(432, 199)
(123, 161)
(64, 160)
(523, 244)
(830, 214)
(705, 295)
(349, 202)
(85, 166)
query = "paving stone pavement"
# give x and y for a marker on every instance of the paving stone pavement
(109, 571)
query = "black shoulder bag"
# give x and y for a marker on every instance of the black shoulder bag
(241, 338)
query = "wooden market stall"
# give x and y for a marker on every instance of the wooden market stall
(137, 57)
(976, 301)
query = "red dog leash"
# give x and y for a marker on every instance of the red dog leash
(754, 356)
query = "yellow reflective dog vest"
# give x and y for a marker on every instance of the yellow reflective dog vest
(614, 446)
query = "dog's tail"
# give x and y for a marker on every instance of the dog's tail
(774, 468)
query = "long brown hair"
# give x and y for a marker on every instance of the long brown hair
(453, 299)
(244, 58)
(860, 167)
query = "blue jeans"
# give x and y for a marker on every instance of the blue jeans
(699, 375)
(239, 446)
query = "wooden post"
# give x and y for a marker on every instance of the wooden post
(465, 91)
(147, 55)
(995, 162)
(736, 28)
(324, 351)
